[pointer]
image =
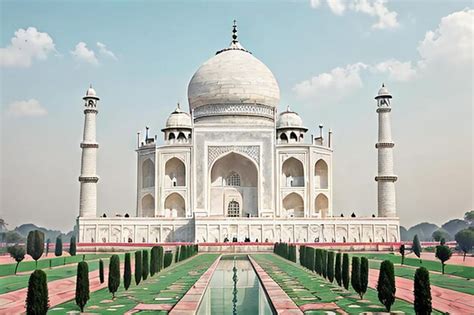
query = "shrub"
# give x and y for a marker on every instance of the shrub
(402, 252)
(182, 253)
(416, 247)
(145, 261)
(364, 276)
(440, 234)
(355, 274)
(386, 284)
(17, 252)
(37, 301)
(58, 249)
(318, 261)
(127, 272)
(153, 260)
(176, 257)
(82, 285)
(324, 262)
(160, 258)
(101, 271)
(312, 259)
(167, 259)
(292, 253)
(138, 266)
(301, 254)
(35, 245)
(330, 266)
(422, 291)
(443, 253)
(114, 274)
(337, 269)
(465, 240)
(345, 270)
(72, 246)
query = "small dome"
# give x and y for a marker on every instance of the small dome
(91, 92)
(289, 119)
(178, 119)
(383, 92)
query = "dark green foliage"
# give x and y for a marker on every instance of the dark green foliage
(386, 284)
(324, 263)
(338, 269)
(364, 276)
(58, 249)
(402, 252)
(72, 246)
(312, 259)
(465, 240)
(160, 259)
(416, 246)
(138, 266)
(167, 259)
(37, 301)
(443, 253)
(35, 244)
(345, 270)
(127, 272)
(422, 291)
(82, 285)
(440, 234)
(17, 252)
(114, 274)
(292, 253)
(318, 261)
(283, 250)
(355, 274)
(176, 256)
(145, 261)
(330, 267)
(154, 260)
(101, 271)
(182, 253)
(48, 241)
(301, 254)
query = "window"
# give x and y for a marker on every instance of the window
(233, 209)
(233, 179)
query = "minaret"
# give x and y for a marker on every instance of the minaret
(385, 178)
(89, 146)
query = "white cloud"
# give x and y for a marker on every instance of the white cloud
(397, 70)
(30, 107)
(84, 54)
(26, 46)
(104, 51)
(373, 8)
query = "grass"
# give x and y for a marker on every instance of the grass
(304, 287)
(169, 286)
(9, 269)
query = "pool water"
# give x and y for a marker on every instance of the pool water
(234, 289)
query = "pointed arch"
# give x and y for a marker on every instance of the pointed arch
(148, 174)
(293, 137)
(293, 205)
(292, 173)
(175, 205)
(322, 205)
(181, 137)
(321, 174)
(283, 138)
(148, 206)
(171, 136)
(175, 173)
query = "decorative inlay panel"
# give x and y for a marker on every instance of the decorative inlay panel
(253, 151)
(234, 109)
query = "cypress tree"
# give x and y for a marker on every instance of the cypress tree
(58, 249)
(101, 271)
(345, 270)
(416, 247)
(138, 266)
(330, 266)
(153, 260)
(386, 284)
(35, 245)
(337, 271)
(324, 263)
(82, 285)
(318, 261)
(402, 252)
(176, 257)
(182, 253)
(72, 246)
(127, 272)
(422, 291)
(167, 259)
(114, 274)
(146, 268)
(312, 264)
(355, 274)
(37, 301)
(160, 258)
(301, 255)
(364, 276)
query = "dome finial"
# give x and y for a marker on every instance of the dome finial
(234, 33)
(383, 84)
(288, 109)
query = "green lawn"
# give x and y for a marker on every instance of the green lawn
(168, 287)
(304, 287)
(9, 269)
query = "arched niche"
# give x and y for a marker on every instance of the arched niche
(292, 173)
(321, 174)
(148, 206)
(322, 205)
(175, 173)
(175, 206)
(293, 205)
(181, 137)
(293, 137)
(283, 138)
(148, 173)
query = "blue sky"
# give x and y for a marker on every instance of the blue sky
(329, 58)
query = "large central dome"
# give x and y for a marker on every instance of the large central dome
(231, 78)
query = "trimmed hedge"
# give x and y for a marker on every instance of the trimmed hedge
(37, 301)
(138, 266)
(127, 272)
(338, 269)
(386, 284)
(82, 285)
(330, 266)
(145, 267)
(167, 259)
(422, 291)
(345, 270)
(114, 274)
(101, 271)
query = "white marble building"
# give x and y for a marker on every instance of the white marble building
(234, 167)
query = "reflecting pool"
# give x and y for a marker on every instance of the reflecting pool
(234, 289)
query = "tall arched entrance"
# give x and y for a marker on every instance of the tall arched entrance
(293, 206)
(233, 186)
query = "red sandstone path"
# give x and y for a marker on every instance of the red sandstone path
(444, 300)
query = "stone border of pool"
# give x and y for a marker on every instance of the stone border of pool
(281, 302)
(190, 302)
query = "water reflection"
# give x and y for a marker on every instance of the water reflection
(234, 289)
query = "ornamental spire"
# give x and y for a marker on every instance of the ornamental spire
(234, 33)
